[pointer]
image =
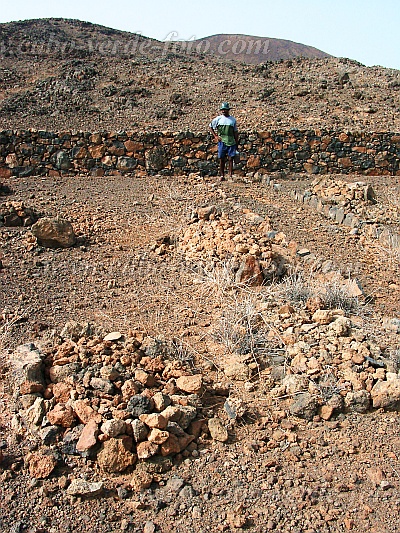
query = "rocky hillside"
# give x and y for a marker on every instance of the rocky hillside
(61, 74)
(255, 50)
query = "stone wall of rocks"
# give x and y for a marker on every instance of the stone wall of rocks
(346, 203)
(26, 153)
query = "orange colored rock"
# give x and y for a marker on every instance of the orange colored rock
(96, 138)
(195, 427)
(286, 310)
(61, 415)
(190, 384)
(158, 436)
(250, 272)
(170, 446)
(41, 466)
(185, 441)
(132, 146)
(30, 387)
(323, 316)
(326, 412)
(61, 392)
(314, 304)
(140, 480)
(116, 455)
(346, 162)
(88, 436)
(253, 161)
(376, 475)
(146, 449)
(5, 172)
(151, 364)
(154, 420)
(129, 388)
(85, 412)
(144, 378)
(97, 151)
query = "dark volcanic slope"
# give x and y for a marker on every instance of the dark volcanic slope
(67, 74)
(255, 50)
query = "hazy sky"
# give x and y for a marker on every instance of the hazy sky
(365, 30)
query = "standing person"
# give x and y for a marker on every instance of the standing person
(225, 132)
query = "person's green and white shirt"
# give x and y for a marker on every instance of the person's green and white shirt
(225, 126)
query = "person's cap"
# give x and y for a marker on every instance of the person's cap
(225, 105)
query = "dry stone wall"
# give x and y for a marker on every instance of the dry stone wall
(28, 152)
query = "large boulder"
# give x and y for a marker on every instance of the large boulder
(54, 233)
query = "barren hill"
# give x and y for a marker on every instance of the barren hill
(67, 74)
(255, 50)
(193, 355)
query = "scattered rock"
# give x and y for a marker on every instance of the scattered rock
(386, 394)
(81, 487)
(139, 430)
(305, 406)
(139, 405)
(113, 336)
(141, 479)
(358, 401)
(41, 466)
(376, 475)
(113, 427)
(146, 449)
(217, 430)
(154, 420)
(61, 415)
(88, 437)
(235, 408)
(26, 366)
(149, 527)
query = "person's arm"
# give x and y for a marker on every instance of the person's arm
(214, 134)
(214, 131)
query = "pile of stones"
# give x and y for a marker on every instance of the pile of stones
(110, 399)
(14, 214)
(256, 253)
(330, 365)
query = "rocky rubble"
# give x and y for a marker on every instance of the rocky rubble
(14, 214)
(332, 367)
(248, 245)
(122, 401)
(115, 401)
(345, 203)
(283, 446)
